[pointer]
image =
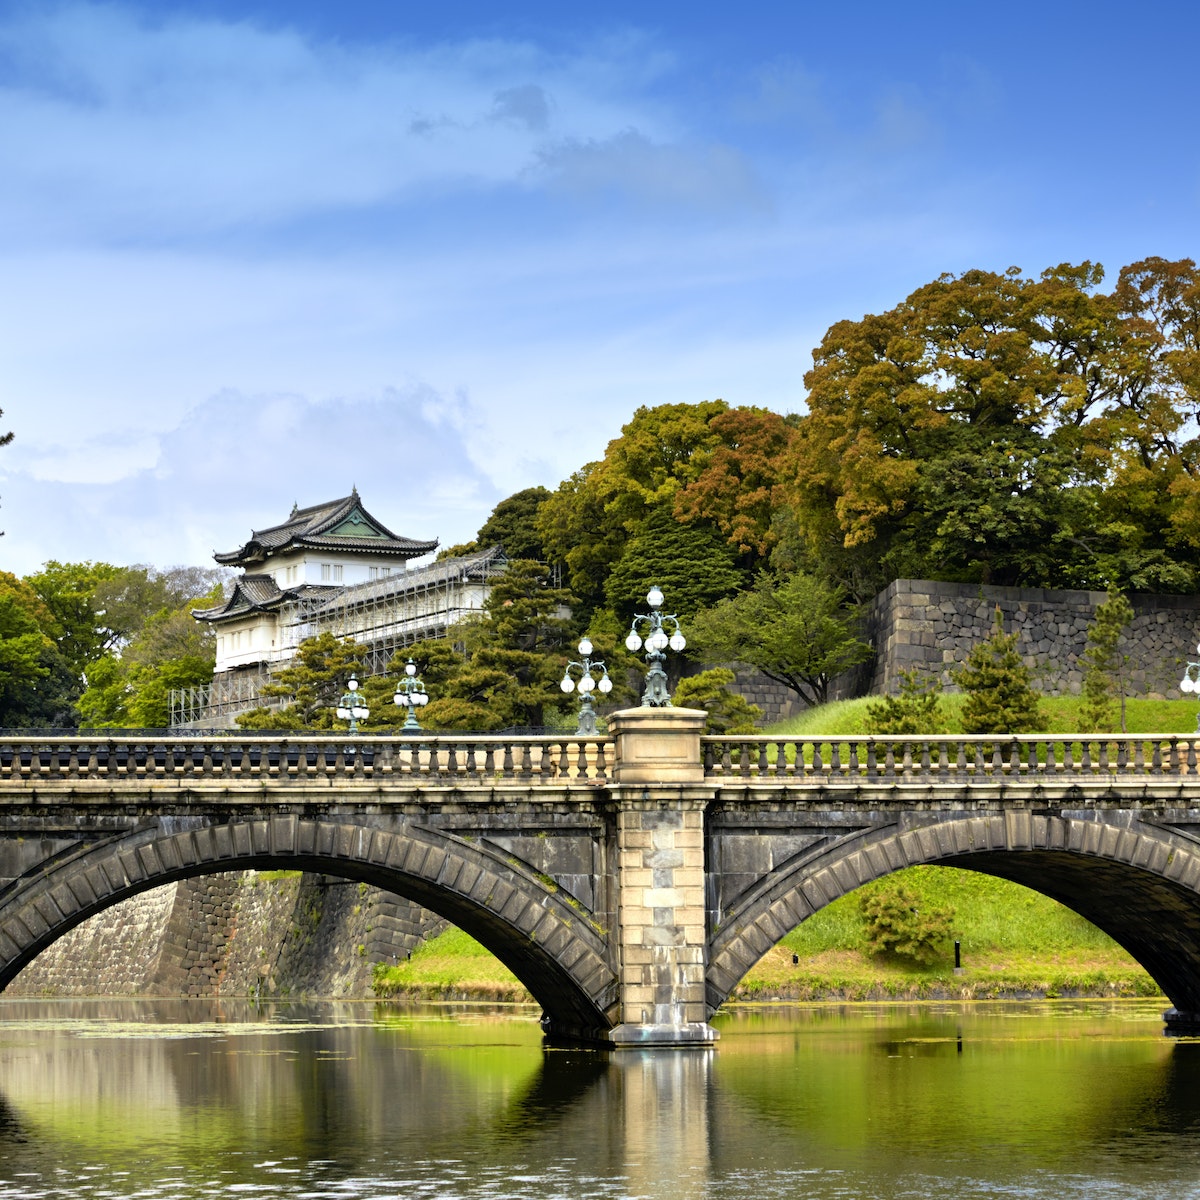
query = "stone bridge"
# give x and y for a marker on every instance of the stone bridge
(629, 881)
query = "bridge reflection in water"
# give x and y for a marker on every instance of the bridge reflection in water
(187, 1099)
(630, 881)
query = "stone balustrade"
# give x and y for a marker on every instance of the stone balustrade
(469, 759)
(949, 759)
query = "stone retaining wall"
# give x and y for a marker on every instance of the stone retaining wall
(234, 934)
(932, 626)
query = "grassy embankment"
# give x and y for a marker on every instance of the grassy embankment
(1014, 941)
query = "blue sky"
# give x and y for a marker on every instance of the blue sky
(254, 253)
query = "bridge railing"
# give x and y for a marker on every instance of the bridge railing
(947, 758)
(435, 759)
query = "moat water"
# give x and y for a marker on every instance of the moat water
(357, 1102)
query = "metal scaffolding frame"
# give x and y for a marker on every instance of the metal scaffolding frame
(382, 615)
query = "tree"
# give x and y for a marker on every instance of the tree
(728, 712)
(130, 688)
(314, 682)
(916, 710)
(1000, 697)
(587, 522)
(898, 922)
(503, 669)
(513, 525)
(27, 654)
(1011, 430)
(693, 566)
(795, 630)
(1105, 665)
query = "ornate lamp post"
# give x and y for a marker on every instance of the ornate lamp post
(410, 693)
(1191, 682)
(351, 706)
(586, 685)
(655, 638)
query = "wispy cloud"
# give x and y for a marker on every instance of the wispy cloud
(238, 461)
(183, 125)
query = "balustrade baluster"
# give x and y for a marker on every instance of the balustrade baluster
(872, 765)
(1103, 759)
(564, 765)
(1191, 757)
(507, 769)
(926, 765)
(1085, 762)
(726, 759)
(1014, 759)
(1156, 766)
(818, 767)
(764, 765)
(601, 761)
(581, 758)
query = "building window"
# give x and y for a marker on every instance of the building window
(337, 572)
(326, 571)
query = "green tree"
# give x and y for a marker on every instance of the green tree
(693, 566)
(916, 710)
(28, 656)
(514, 525)
(1000, 695)
(897, 922)
(501, 670)
(314, 682)
(1004, 429)
(728, 711)
(1104, 664)
(795, 630)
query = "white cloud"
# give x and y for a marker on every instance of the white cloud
(117, 126)
(239, 461)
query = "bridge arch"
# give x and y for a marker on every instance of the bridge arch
(550, 945)
(1139, 883)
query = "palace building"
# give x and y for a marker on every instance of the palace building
(333, 568)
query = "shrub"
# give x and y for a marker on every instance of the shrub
(896, 923)
(914, 710)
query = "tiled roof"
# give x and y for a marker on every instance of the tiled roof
(314, 528)
(257, 593)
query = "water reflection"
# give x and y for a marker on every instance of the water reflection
(188, 1099)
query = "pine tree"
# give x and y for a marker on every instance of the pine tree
(1105, 664)
(1000, 696)
(728, 711)
(915, 710)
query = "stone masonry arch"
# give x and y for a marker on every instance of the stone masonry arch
(1139, 883)
(549, 944)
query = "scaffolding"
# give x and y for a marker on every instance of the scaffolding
(382, 616)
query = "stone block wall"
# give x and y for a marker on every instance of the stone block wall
(932, 626)
(234, 934)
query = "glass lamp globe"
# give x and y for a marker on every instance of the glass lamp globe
(410, 668)
(353, 684)
(605, 685)
(633, 643)
(343, 713)
(678, 642)
(654, 597)
(660, 640)
(567, 684)
(1186, 685)
(586, 684)
(585, 647)
(421, 698)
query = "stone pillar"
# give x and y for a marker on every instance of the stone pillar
(660, 801)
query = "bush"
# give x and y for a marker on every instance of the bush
(895, 924)
(915, 710)
(728, 711)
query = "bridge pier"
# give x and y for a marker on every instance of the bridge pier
(662, 944)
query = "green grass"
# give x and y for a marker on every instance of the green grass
(449, 966)
(1062, 716)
